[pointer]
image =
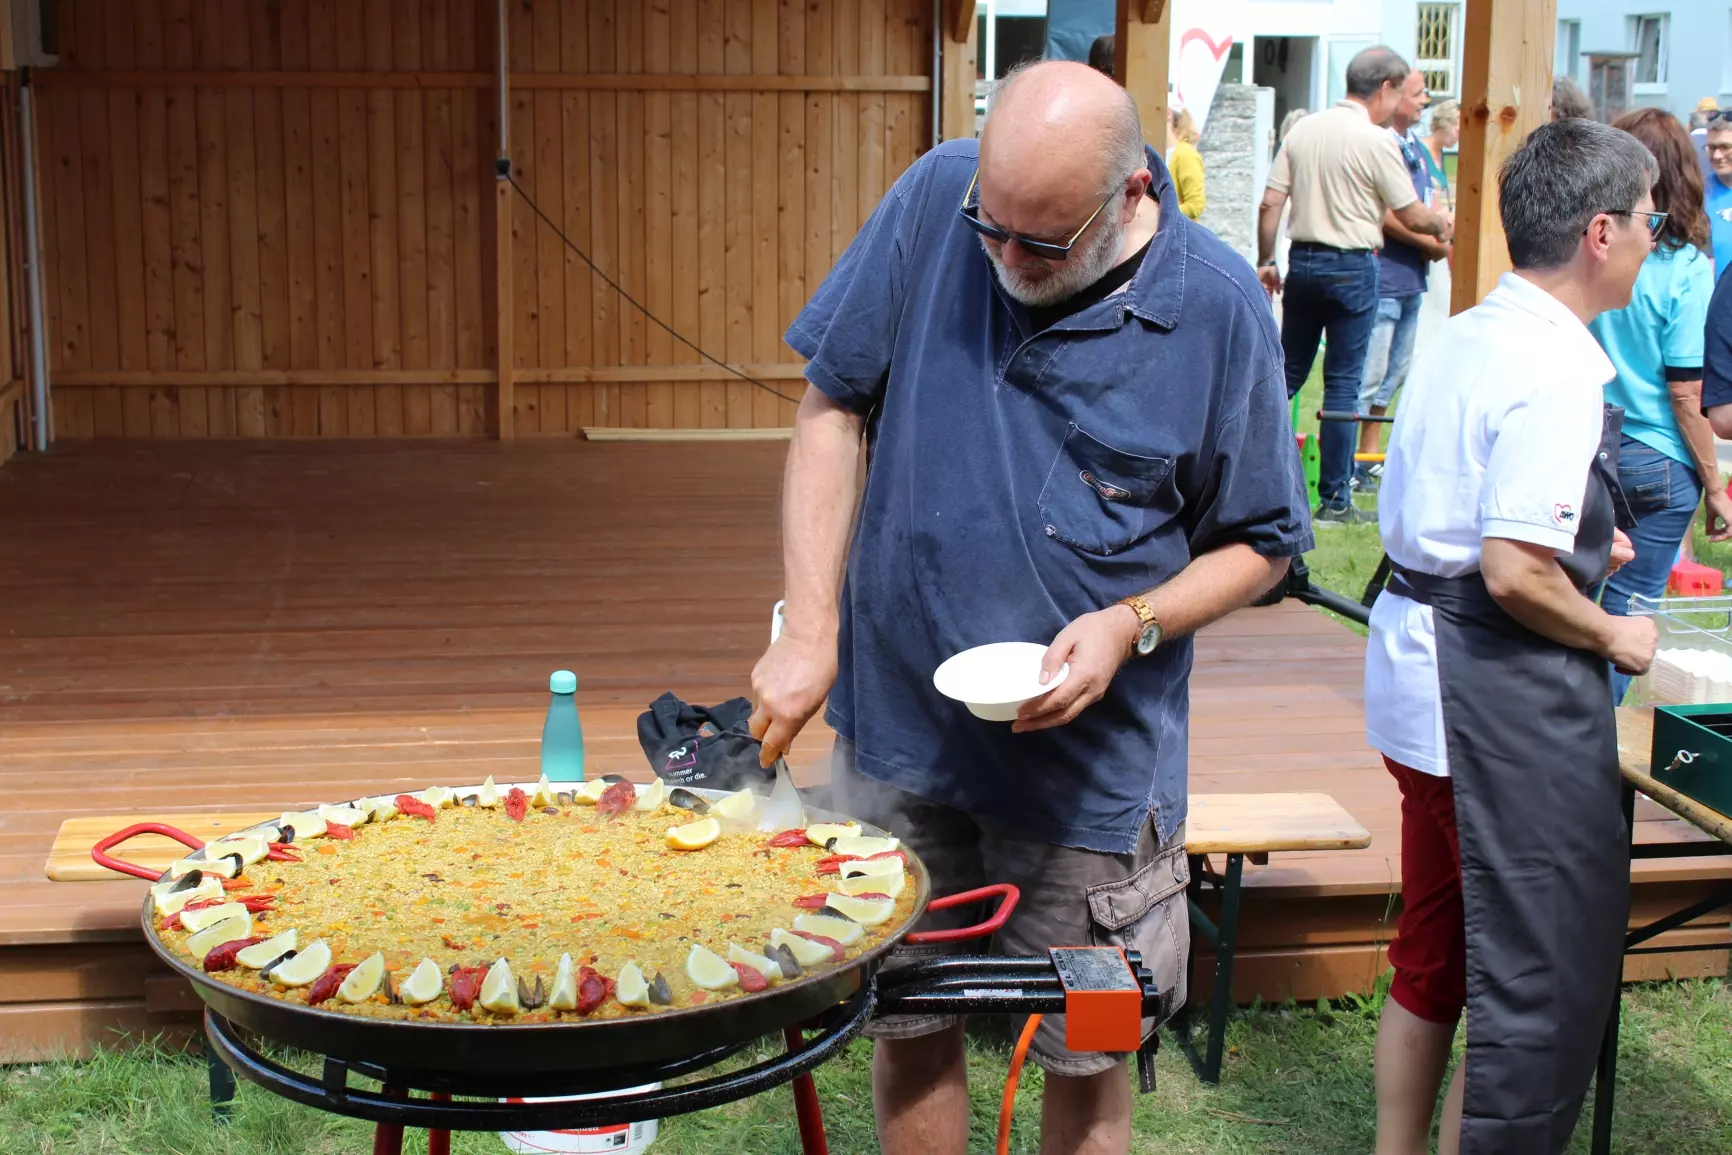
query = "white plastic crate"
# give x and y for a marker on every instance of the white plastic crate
(1693, 663)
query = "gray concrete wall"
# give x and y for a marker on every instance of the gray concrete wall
(1235, 150)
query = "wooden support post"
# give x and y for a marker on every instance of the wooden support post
(1142, 43)
(1506, 87)
(960, 32)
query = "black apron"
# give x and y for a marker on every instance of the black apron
(1545, 867)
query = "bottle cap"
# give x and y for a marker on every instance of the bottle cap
(563, 682)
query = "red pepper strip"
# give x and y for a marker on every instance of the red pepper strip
(172, 922)
(466, 986)
(616, 799)
(222, 958)
(837, 950)
(241, 883)
(280, 852)
(201, 903)
(338, 831)
(788, 838)
(326, 984)
(874, 894)
(413, 806)
(516, 804)
(751, 979)
(811, 901)
(591, 990)
(259, 903)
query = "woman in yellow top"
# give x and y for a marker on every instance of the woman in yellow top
(1185, 162)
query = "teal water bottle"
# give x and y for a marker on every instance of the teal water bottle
(562, 735)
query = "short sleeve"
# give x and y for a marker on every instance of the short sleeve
(1394, 184)
(1682, 341)
(1254, 487)
(1537, 475)
(1281, 173)
(1717, 348)
(847, 330)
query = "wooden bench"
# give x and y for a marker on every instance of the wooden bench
(1243, 826)
(1239, 826)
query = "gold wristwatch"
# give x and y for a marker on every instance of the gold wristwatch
(1149, 636)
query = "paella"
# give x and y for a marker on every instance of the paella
(492, 904)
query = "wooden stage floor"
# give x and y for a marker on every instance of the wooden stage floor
(195, 626)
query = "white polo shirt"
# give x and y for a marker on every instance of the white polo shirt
(1497, 429)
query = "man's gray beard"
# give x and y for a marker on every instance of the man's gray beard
(1070, 276)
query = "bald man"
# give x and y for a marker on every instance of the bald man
(1078, 434)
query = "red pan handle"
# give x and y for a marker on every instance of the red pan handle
(99, 853)
(1009, 896)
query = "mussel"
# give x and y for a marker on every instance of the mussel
(659, 992)
(566, 798)
(610, 779)
(240, 864)
(265, 971)
(784, 960)
(187, 881)
(550, 810)
(286, 835)
(470, 799)
(531, 997)
(686, 800)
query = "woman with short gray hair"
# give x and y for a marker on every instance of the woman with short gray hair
(1486, 673)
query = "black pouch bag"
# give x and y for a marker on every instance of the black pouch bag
(707, 746)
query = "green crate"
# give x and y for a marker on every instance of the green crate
(1704, 731)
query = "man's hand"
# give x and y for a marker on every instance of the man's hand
(1719, 512)
(789, 683)
(1094, 646)
(1271, 278)
(1631, 646)
(1623, 552)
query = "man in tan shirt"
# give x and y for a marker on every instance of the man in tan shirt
(1343, 171)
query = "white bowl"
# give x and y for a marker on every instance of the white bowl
(994, 681)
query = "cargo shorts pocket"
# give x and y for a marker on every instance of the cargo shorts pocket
(1147, 912)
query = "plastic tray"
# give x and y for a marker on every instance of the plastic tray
(1693, 664)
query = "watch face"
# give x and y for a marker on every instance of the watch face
(1149, 639)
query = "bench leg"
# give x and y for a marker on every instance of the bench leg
(1226, 939)
(222, 1086)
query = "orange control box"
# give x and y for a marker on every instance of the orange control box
(1103, 1002)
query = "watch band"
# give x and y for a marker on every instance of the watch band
(1141, 608)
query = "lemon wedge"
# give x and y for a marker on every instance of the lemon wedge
(631, 988)
(863, 847)
(806, 952)
(694, 835)
(344, 815)
(197, 920)
(364, 980)
(820, 833)
(736, 807)
(764, 966)
(544, 794)
(874, 867)
(564, 996)
(865, 911)
(710, 970)
(889, 885)
(261, 954)
(379, 809)
(304, 967)
(307, 824)
(842, 930)
(439, 796)
(233, 927)
(423, 984)
(251, 847)
(499, 990)
(208, 886)
(223, 867)
(489, 795)
(651, 797)
(589, 791)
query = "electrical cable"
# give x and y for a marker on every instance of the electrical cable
(1009, 1102)
(633, 301)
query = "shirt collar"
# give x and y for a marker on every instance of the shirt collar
(1158, 289)
(1356, 107)
(1520, 293)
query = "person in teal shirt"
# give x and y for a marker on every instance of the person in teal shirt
(1667, 463)
(1719, 191)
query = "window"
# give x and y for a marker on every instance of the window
(1569, 48)
(1435, 47)
(1648, 39)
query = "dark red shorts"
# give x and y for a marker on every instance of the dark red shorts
(1429, 953)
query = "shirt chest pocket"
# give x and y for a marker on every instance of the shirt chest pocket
(1097, 499)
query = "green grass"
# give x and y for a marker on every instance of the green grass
(1297, 1081)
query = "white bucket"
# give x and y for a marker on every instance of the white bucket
(609, 1139)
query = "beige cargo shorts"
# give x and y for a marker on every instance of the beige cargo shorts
(1070, 897)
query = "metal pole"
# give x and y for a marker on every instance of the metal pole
(503, 168)
(32, 266)
(937, 71)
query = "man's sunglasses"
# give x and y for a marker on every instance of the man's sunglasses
(1656, 221)
(1051, 250)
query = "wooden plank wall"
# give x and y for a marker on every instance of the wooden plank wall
(271, 218)
(14, 393)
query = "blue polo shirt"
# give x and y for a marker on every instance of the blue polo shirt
(1019, 480)
(1718, 201)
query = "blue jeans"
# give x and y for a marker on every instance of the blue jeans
(1663, 494)
(1390, 353)
(1334, 291)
